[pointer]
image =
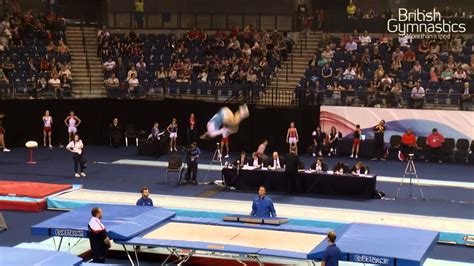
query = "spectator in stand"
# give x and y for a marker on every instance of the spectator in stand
(112, 81)
(326, 74)
(434, 142)
(351, 10)
(405, 40)
(460, 75)
(365, 39)
(379, 73)
(417, 96)
(395, 96)
(8, 65)
(63, 51)
(407, 145)
(55, 84)
(327, 54)
(349, 73)
(132, 71)
(423, 47)
(409, 83)
(337, 90)
(433, 75)
(133, 84)
(447, 74)
(466, 97)
(109, 66)
(351, 46)
(139, 9)
(397, 54)
(141, 65)
(65, 71)
(66, 84)
(409, 55)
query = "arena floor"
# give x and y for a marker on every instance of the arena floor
(452, 198)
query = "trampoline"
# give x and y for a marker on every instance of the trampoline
(184, 237)
(26, 257)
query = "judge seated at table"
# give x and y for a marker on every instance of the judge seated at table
(341, 168)
(276, 162)
(359, 169)
(256, 161)
(262, 205)
(242, 160)
(319, 165)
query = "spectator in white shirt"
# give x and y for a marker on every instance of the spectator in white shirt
(417, 96)
(55, 83)
(405, 40)
(109, 65)
(365, 39)
(349, 73)
(141, 65)
(133, 84)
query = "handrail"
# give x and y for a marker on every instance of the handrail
(183, 21)
(87, 56)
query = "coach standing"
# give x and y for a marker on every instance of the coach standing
(292, 163)
(98, 238)
(379, 130)
(332, 253)
(262, 205)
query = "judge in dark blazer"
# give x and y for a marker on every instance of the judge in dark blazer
(341, 168)
(292, 164)
(319, 165)
(276, 162)
(359, 168)
(242, 160)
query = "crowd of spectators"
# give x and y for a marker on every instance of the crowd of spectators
(247, 57)
(354, 12)
(366, 70)
(33, 51)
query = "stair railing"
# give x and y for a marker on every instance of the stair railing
(88, 69)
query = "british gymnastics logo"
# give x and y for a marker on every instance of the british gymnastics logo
(421, 24)
(371, 259)
(69, 233)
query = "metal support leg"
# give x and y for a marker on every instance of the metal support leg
(128, 255)
(60, 243)
(136, 255)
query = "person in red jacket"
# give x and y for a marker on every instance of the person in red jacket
(434, 142)
(407, 145)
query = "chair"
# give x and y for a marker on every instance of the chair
(448, 148)
(394, 145)
(462, 150)
(131, 132)
(175, 165)
(421, 144)
(470, 158)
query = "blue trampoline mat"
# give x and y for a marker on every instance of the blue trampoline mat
(26, 257)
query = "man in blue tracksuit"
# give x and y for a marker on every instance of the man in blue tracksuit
(144, 200)
(262, 205)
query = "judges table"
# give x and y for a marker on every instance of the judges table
(310, 183)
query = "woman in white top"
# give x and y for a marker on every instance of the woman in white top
(47, 128)
(72, 122)
(173, 131)
(76, 146)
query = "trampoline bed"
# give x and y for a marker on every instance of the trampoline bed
(237, 236)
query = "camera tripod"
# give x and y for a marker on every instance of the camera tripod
(410, 171)
(216, 159)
